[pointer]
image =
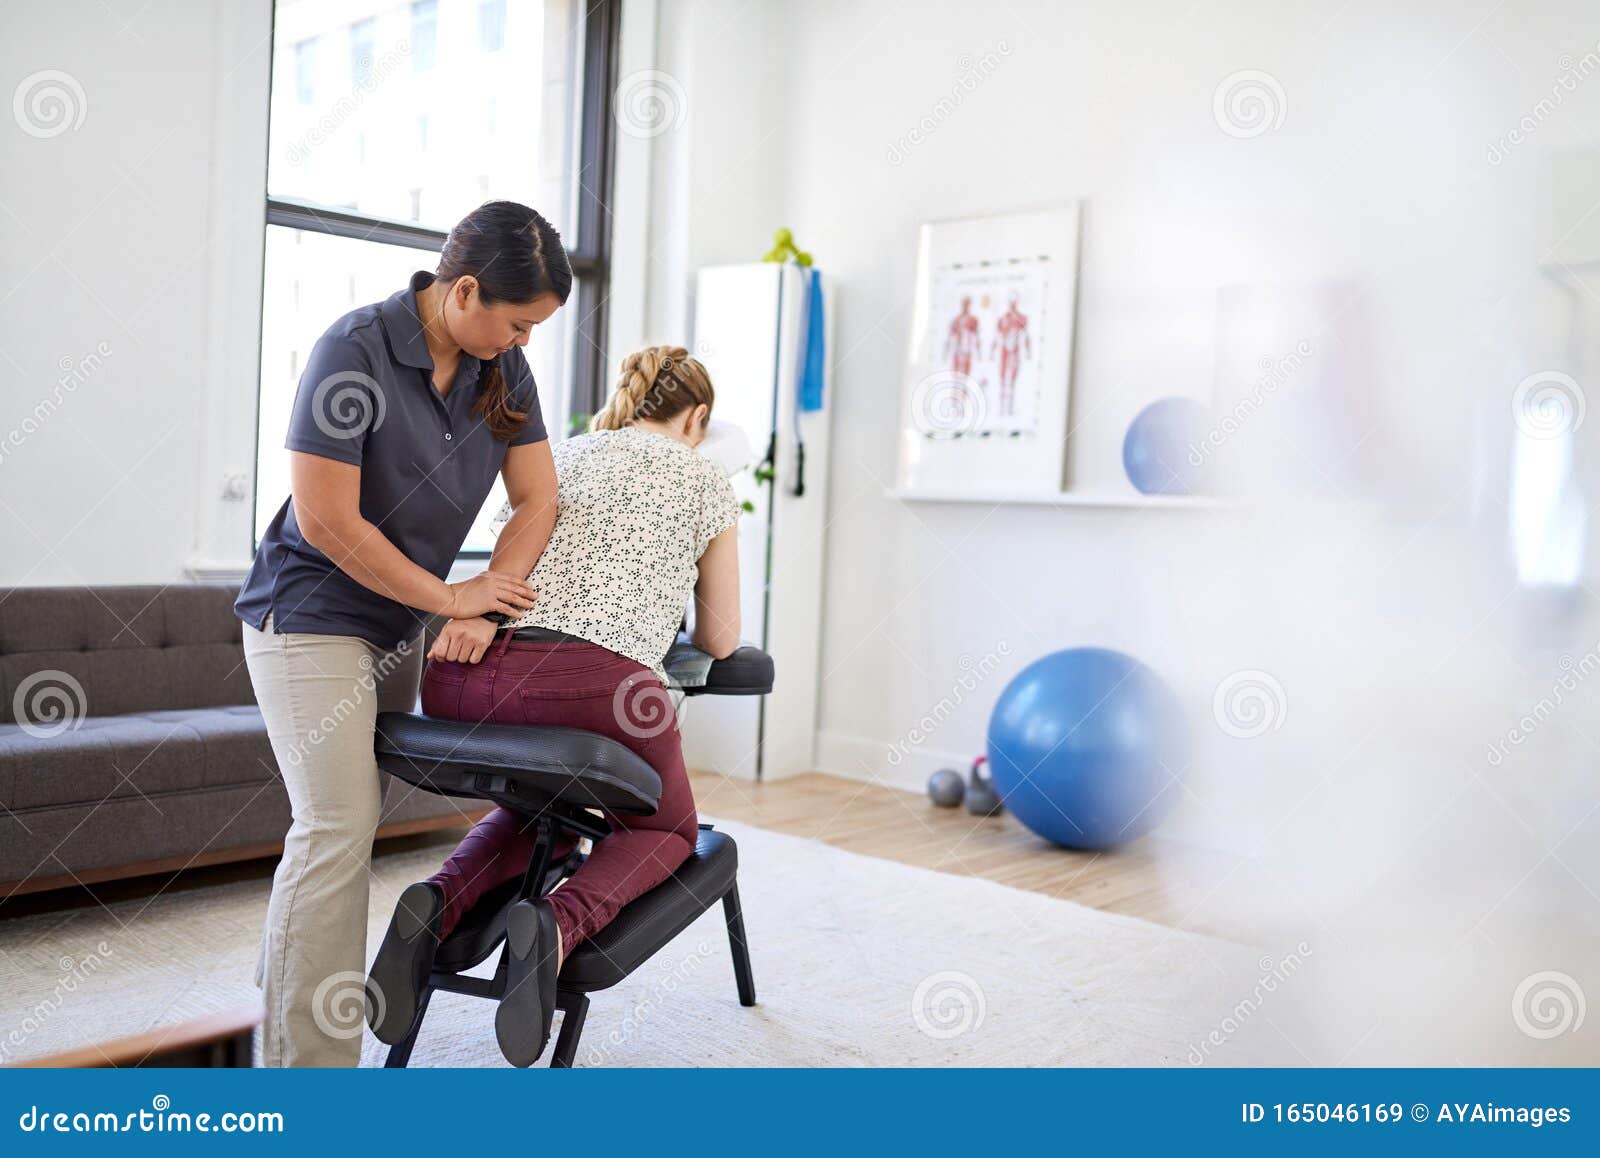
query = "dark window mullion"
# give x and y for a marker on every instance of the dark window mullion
(595, 162)
(314, 218)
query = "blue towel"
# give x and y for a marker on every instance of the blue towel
(812, 360)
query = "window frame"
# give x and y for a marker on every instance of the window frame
(588, 246)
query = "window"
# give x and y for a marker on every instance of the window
(424, 33)
(353, 211)
(305, 71)
(491, 25)
(1548, 514)
(361, 34)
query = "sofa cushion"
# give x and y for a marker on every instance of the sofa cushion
(194, 783)
(139, 738)
(109, 651)
(50, 842)
(139, 754)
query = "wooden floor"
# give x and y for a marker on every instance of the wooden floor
(1162, 881)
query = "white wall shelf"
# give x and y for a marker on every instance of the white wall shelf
(1069, 499)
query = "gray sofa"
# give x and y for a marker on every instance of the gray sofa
(162, 761)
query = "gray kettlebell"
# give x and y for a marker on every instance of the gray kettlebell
(946, 788)
(982, 799)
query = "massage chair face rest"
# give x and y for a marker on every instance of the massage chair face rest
(728, 446)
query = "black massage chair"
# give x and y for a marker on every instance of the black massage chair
(555, 775)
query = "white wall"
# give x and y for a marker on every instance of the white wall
(1435, 172)
(1435, 164)
(139, 229)
(131, 251)
(129, 287)
(720, 160)
(1112, 104)
(1375, 190)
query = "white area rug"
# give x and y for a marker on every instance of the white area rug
(858, 962)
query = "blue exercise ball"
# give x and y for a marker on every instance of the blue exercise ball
(1161, 446)
(1086, 747)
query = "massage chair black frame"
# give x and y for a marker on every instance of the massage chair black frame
(554, 775)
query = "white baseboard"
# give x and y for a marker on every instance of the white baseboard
(217, 571)
(858, 758)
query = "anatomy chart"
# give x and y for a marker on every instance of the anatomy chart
(988, 335)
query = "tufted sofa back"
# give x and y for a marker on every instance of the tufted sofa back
(128, 649)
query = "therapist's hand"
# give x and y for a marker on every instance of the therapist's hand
(463, 640)
(490, 591)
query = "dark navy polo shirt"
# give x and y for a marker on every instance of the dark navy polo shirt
(427, 464)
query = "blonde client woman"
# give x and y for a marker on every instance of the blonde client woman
(643, 521)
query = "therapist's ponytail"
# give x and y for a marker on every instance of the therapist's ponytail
(516, 256)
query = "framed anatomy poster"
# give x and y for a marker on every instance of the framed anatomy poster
(984, 402)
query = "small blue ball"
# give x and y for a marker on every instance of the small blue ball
(1162, 445)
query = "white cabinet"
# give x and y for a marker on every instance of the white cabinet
(750, 332)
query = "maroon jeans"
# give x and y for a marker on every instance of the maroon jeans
(573, 685)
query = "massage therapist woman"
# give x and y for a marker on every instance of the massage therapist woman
(407, 410)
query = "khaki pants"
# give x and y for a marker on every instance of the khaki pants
(320, 696)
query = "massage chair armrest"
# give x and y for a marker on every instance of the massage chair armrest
(747, 672)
